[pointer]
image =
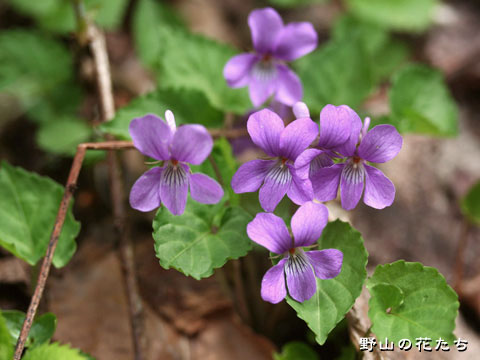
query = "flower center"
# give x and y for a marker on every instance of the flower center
(354, 172)
(174, 175)
(280, 173)
(264, 70)
(297, 261)
(266, 58)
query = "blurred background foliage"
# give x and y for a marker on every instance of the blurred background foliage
(365, 53)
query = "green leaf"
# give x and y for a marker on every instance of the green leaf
(226, 165)
(249, 202)
(406, 15)
(294, 3)
(62, 135)
(6, 347)
(471, 204)
(188, 106)
(53, 351)
(149, 17)
(296, 350)
(202, 239)
(387, 295)
(383, 54)
(27, 214)
(58, 15)
(337, 73)
(195, 62)
(422, 304)
(32, 66)
(421, 102)
(335, 297)
(348, 68)
(41, 331)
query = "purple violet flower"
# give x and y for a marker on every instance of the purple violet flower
(265, 71)
(169, 183)
(337, 124)
(299, 267)
(277, 175)
(379, 145)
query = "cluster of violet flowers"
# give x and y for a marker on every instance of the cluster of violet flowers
(308, 163)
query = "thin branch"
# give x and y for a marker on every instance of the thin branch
(104, 85)
(108, 145)
(228, 133)
(47, 260)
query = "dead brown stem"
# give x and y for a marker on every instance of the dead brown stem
(228, 133)
(47, 260)
(117, 194)
(60, 219)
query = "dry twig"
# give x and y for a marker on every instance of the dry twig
(57, 228)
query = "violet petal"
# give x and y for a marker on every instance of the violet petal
(304, 160)
(174, 188)
(351, 185)
(335, 125)
(301, 281)
(277, 182)
(325, 182)
(295, 40)
(151, 136)
(379, 190)
(265, 25)
(145, 193)
(250, 176)
(308, 223)
(327, 263)
(265, 128)
(273, 283)
(262, 85)
(192, 144)
(269, 231)
(204, 189)
(301, 190)
(288, 86)
(348, 148)
(380, 144)
(236, 71)
(296, 137)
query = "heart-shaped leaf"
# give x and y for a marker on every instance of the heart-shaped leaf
(202, 239)
(428, 306)
(335, 297)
